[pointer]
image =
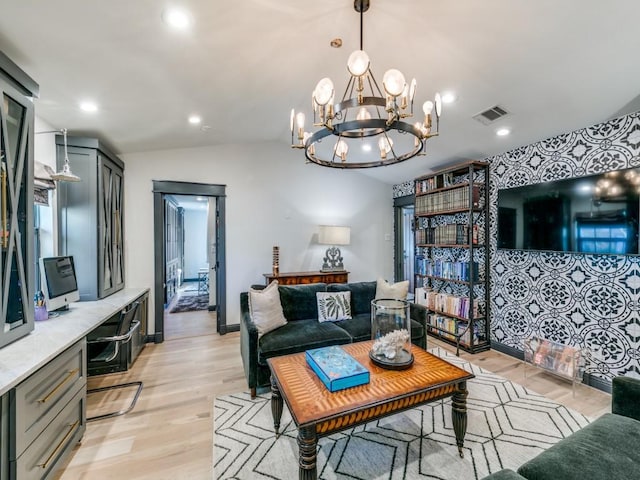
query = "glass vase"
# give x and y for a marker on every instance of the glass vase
(391, 334)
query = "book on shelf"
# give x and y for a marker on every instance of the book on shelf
(454, 199)
(453, 304)
(336, 368)
(420, 296)
(461, 271)
(421, 236)
(450, 328)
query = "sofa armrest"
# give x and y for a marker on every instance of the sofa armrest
(419, 314)
(625, 397)
(505, 474)
(248, 343)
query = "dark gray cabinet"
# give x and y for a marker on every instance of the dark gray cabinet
(16, 202)
(90, 216)
(47, 416)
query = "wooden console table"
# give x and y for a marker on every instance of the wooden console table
(296, 278)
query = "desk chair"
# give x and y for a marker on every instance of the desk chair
(124, 330)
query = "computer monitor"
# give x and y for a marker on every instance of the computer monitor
(59, 284)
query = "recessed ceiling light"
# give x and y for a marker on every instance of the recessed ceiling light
(366, 147)
(502, 132)
(195, 119)
(88, 107)
(449, 97)
(177, 18)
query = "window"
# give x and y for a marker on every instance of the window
(604, 237)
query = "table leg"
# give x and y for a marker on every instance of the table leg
(276, 405)
(307, 445)
(459, 414)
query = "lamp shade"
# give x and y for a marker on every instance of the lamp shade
(334, 235)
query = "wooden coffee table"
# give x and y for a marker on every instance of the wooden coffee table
(317, 412)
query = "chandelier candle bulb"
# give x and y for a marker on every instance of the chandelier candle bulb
(393, 82)
(358, 63)
(300, 124)
(412, 92)
(404, 99)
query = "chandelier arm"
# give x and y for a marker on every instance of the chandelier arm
(333, 158)
(390, 143)
(353, 102)
(372, 83)
(348, 91)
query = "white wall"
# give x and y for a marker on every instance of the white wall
(273, 198)
(195, 241)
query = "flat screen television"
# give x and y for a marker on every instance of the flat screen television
(597, 214)
(59, 283)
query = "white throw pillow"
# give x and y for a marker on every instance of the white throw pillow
(265, 308)
(397, 291)
(333, 306)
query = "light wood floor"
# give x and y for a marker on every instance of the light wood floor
(169, 434)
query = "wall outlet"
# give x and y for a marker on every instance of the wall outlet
(387, 237)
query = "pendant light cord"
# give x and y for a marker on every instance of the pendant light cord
(66, 154)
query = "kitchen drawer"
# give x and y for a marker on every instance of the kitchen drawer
(39, 398)
(46, 454)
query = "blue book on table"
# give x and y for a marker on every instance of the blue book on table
(336, 368)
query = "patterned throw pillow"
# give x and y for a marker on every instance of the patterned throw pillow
(396, 291)
(333, 306)
(265, 308)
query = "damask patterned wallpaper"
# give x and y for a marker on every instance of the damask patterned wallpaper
(578, 299)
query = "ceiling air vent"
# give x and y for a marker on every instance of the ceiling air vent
(491, 115)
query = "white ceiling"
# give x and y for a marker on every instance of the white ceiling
(555, 65)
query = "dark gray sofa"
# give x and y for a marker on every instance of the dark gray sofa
(303, 331)
(605, 449)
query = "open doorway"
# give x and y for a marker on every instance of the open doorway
(189, 252)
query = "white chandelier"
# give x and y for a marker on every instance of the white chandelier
(365, 113)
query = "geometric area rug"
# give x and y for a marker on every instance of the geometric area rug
(507, 425)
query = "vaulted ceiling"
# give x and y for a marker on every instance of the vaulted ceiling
(555, 66)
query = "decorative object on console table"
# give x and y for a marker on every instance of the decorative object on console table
(452, 258)
(276, 260)
(391, 333)
(333, 235)
(296, 278)
(336, 368)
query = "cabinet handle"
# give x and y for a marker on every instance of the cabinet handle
(54, 454)
(59, 386)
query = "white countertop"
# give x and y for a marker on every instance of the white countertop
(51, 337)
